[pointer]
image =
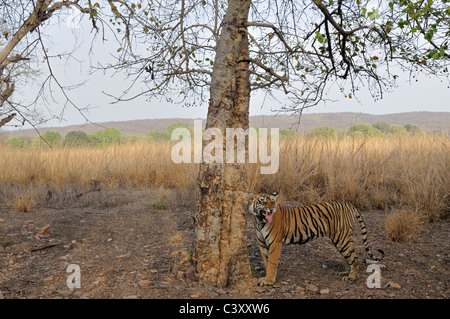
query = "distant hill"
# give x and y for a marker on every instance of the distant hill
(432, 121)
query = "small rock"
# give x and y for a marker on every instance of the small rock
(300, 290)
(123, 256)
(394, 285)
(130, 297)
(175, 269)
(190, 273)
(312, 288)
(325, 291)
(221, 292)
(185, 260)
(1, 220)
(45, 230)
(144, 283)
(49, 279)
(107, 272)
(178, 253)
(181, 275)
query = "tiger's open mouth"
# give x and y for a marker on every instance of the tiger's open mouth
(264, 213)
(268, 217)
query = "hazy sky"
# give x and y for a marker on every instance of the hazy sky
(428, 94)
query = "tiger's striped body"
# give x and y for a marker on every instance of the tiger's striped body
(277, 225)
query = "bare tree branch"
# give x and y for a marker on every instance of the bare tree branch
(34, 14)
(7, 119)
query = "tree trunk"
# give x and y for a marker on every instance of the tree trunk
(220, 250)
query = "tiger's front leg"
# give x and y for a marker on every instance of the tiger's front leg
(264, 255)
(271, 265)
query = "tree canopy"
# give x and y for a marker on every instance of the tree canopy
(298, 47)
(76, 138)
(49, 138)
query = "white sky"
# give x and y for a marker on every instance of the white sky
(428, 94)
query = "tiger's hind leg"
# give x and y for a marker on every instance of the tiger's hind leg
(353, 271)
(346, 249)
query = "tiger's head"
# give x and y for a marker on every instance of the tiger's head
(262, 206)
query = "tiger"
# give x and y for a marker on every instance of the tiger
(277, 225)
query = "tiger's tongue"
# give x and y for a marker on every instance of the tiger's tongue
(269, 218)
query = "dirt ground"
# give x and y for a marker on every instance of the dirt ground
(128, 247)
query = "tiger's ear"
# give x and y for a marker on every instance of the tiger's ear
(275, 194)
(251, 196)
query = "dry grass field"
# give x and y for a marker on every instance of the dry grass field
(405, 172)
(121, 211)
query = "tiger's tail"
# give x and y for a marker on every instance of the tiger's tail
(364, 236)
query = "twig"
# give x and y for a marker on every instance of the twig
(92, 190)
(46, 246)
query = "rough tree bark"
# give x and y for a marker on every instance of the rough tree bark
(220, 250)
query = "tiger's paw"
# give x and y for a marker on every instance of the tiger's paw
(264, 282)
(350, 277)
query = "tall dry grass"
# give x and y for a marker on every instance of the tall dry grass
(376, 172)
(136, 165)
(410, 172)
